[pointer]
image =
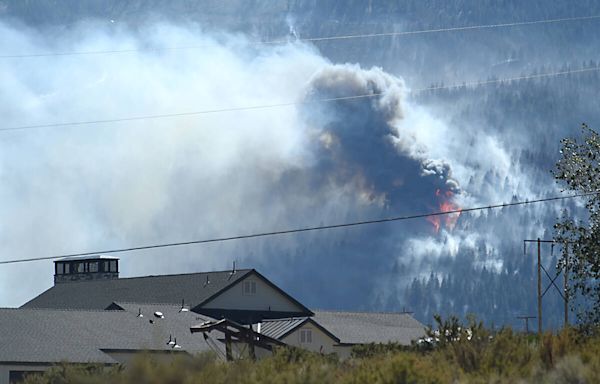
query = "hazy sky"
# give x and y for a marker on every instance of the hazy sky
(102, 186)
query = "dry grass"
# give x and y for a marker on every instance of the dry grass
(504, 357)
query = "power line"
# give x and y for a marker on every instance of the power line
(454, 29)
(510, 79)
(305, 229)
(295, 103)
(313, 39)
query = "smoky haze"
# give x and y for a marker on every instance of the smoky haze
(89, 187)
(99, 186)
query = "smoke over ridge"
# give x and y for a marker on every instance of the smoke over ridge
(152, 181)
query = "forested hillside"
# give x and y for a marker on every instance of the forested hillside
(530, 116)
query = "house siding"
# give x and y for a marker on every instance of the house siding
(321, 342)
(266, 298)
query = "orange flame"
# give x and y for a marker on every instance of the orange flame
(445, 205)
(435, 221)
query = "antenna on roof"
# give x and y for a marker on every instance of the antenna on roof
(171, 342)
(159, 315)
(207, 281)
(232, 271)
(140, 313)
(183, 307)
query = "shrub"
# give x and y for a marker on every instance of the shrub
(465, 354)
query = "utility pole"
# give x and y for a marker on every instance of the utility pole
(251, 341)
(228, 351)
(539, 287)
(566, 288)
(563, 293)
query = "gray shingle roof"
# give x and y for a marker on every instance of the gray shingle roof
(169, 310)
(371, 327)
(353, 327)
(80, 336)
(99, 294)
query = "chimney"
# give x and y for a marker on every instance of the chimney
(88, 268)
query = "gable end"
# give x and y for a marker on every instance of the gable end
(248, 298)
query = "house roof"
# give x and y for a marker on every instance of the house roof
(278, 329)
(193, 288)
(83, 336)
(352, 327)
(371, 327)
(170, 310)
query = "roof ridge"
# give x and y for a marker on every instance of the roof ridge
(102, 281)
(181, 274)
(62, 310)
(142, 303)
(285, 319)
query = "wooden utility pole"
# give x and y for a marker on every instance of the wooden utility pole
(539, 286)
(563, 293)
(228, 352)
(566, 275)
(251, 342)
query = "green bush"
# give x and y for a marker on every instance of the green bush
(362, 351)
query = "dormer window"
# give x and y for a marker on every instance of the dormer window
(249, 288)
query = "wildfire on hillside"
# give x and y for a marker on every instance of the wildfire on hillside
(445, 204)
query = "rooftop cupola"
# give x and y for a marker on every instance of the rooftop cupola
(97, 267)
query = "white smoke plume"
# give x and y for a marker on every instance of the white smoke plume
(103, 186)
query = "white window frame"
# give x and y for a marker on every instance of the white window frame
(249, 288)
(305, 336)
